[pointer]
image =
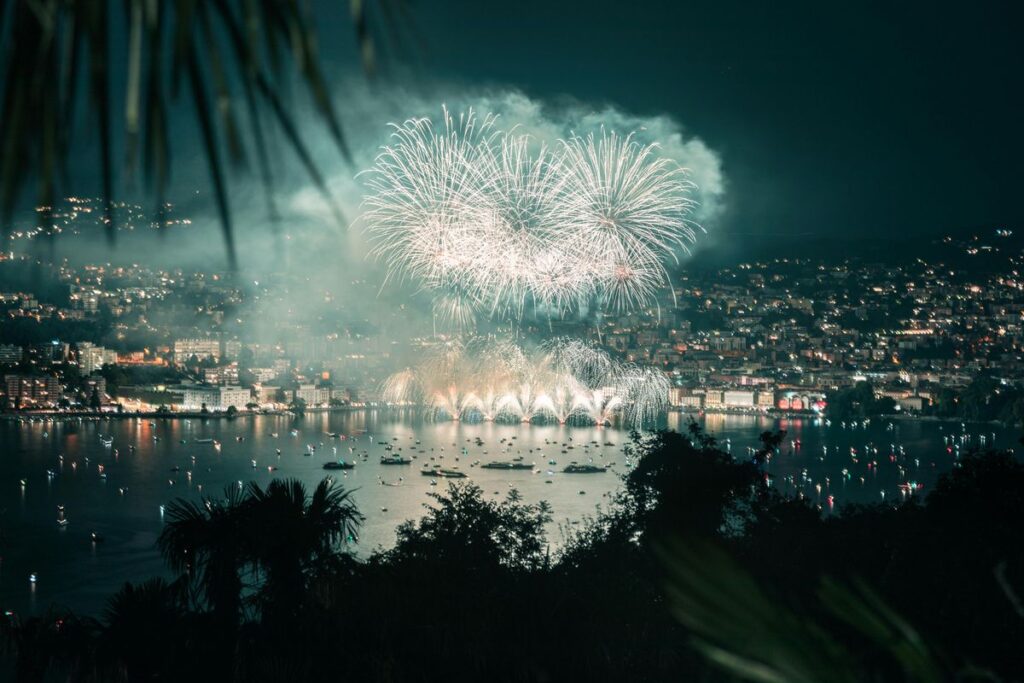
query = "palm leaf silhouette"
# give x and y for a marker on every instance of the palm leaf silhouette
(753, 636)
(225, 56)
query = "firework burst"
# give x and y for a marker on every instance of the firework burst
(494, 223)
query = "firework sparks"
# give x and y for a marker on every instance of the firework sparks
(564, 380)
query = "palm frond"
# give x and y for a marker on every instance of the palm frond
(862, 609)
(740, 628)
(208, 52)
(755, 637)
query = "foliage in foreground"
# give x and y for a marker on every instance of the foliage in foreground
(132, 66)
(698, 571)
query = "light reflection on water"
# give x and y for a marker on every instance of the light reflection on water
(124, 508)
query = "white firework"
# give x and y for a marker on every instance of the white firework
(424, 192)
(506, 225)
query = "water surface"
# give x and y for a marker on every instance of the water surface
(125, 507)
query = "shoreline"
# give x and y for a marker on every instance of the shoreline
(56, 415)
(26, 416)
(787, 415)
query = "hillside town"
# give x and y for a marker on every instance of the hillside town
(781, 335)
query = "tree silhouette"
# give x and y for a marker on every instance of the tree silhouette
(462, 529)
(144, 630)
(205, 541)
(292, 536)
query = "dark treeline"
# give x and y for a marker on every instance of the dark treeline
(699, 571)
(985, 399)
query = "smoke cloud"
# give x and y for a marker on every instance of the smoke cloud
(329, 273)
(369, 110)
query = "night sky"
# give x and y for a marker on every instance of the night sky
(831, 118)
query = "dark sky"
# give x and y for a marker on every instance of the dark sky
(858, 120)
(831, 118)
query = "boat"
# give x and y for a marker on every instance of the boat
(499, 465)
(438, 472)
(107, 440)
(204, 440)
(394, 460)
(340, 465)
(574, 468)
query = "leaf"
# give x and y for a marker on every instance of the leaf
(133, 89)
(865, 611)
(99, 72)
(209, 134)
(57, 48)
(222, 92)
(291, 132)
(738, 627)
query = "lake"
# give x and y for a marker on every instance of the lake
(60, 463)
